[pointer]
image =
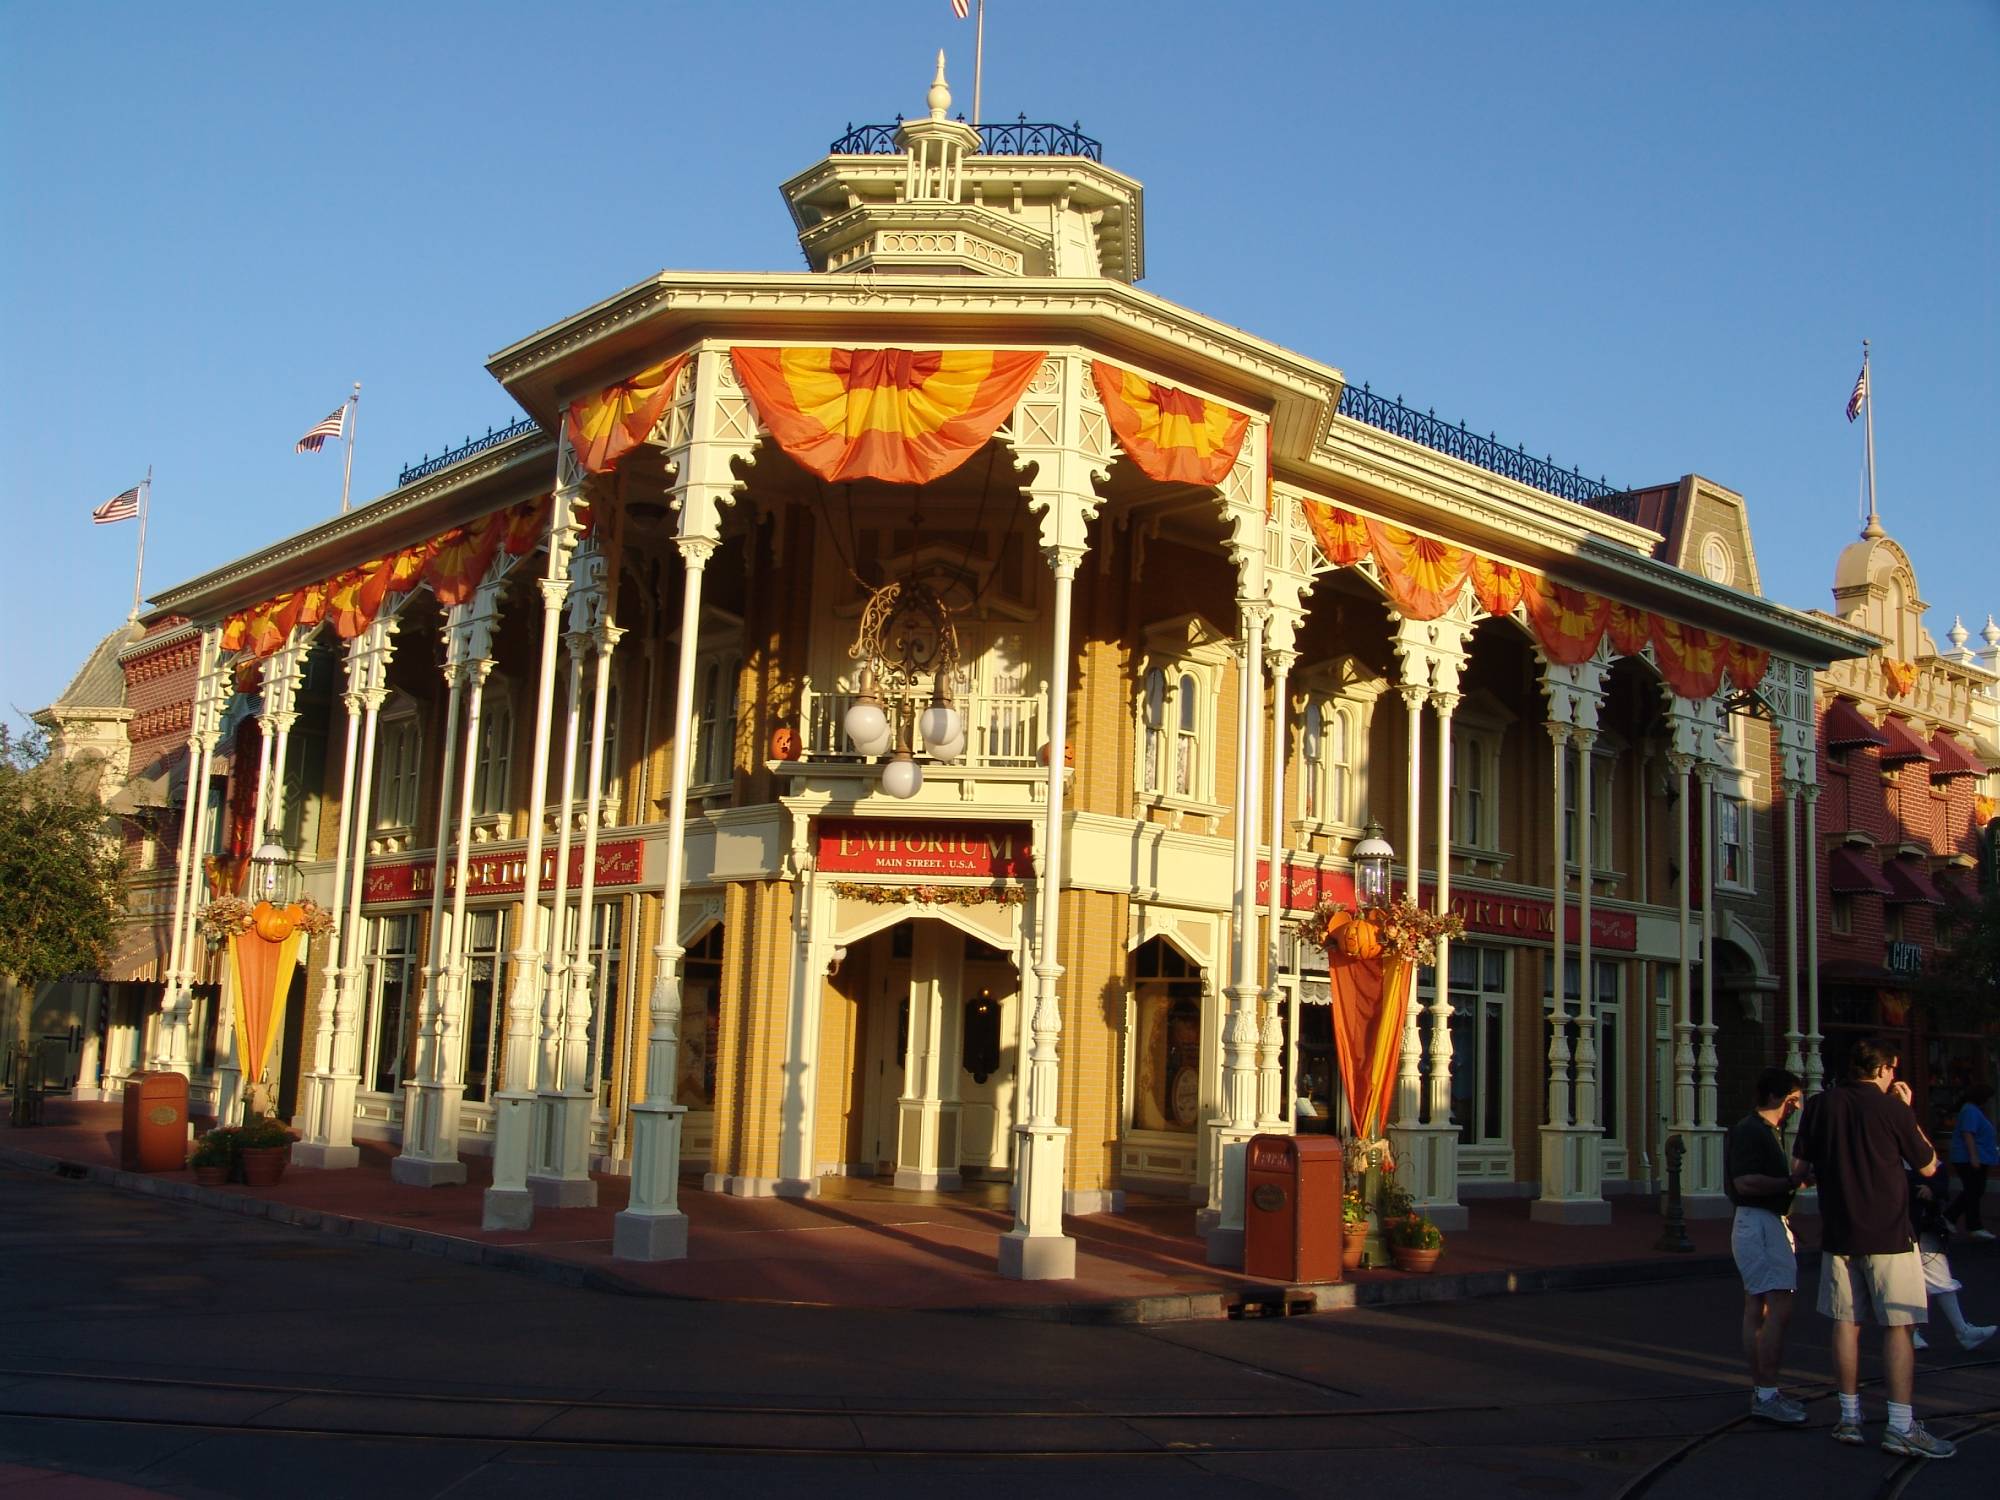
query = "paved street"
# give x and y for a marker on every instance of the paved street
(175, 1350)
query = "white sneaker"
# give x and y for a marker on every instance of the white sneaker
(1918, 1341)
(1973, 1337)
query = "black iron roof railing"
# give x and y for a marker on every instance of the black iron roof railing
(427, 466)
(1488, 452)
(1021, 138)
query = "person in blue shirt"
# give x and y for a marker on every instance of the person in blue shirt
(1974, 1151)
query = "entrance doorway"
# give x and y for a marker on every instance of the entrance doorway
(936, 1057)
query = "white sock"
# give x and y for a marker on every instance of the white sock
(1952, 1315)
(1899, 1416)
(1850, 1407)
(1765, 1392)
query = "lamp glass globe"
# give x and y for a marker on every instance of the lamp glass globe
(902, 778)
(867, 727)
(948, 749)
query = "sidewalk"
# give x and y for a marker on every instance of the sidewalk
(865, 1245)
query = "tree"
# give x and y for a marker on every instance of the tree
(61, 877)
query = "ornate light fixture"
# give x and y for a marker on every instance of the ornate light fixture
(906, 634)
(1371, 867)
(271, 873)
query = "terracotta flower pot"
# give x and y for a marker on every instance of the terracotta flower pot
(1353, 1246)
(213, 1176)
(1416, 1262)
(264, 1165)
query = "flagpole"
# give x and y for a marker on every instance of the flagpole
(139, 573)
(1874, 526)
(978, 61)
(353, 421)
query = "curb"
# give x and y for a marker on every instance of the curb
(1249, 1300)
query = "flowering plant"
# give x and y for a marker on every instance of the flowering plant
(224, 918)
(1415, 1231)
(313, 919)
(1353, 1209)
(1400, 930)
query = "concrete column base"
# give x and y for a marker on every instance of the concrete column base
(324, 1157)
(1569, 1211)
(644, 1236)
(927, 1182)
(1427, 1163)
(1037, 1257)
(1094, 1201)
(417, 1171)
(507, 1208)
(1225, 1246)
(562, 1192)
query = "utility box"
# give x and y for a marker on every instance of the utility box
(1291, 1208)
(156, 1123)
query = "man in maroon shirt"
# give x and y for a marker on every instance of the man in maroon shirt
(1860, 1140)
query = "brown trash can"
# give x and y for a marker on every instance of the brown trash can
(156, 1123)
(1291, 1208)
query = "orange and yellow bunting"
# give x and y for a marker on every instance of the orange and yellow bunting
(1422, 575)
(1630, 628)
(1567, 622)
(1747, 664)
(462, 556)
(604, 427)
(1173, 435)
(1690, 658)
(1370, 998)
(906, 416)
(1341, 534)
(1497, 586)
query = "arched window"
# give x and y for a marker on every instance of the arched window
(492, 766)
(1154, 718)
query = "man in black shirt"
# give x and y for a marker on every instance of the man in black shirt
(1759, 1179)
(1859, 1139)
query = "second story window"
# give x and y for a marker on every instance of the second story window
(718, 691)
(398, 748)
(493, 761)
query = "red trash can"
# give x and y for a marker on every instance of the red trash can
(156, 1123)
(1291, 1208)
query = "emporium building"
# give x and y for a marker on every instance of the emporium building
(901, 681)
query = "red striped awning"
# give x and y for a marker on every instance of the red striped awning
(1847, 729)
(1902, 743)
(1909, 885)
(1850, 873)
(1952, 759)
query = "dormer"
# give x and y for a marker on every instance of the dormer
(939, 196)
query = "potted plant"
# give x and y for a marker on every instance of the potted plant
(263, 1146)
(213, 1157)
(1415, 1242)
(1353, 1228)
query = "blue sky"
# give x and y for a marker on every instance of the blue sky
(1647, 240)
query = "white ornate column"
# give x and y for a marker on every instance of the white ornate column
(547, 1182)
(570, 1184)
(1702, 1193)
(508, 1203)
(1794, 1035)
(1416, 692)
(329, 1132)
(1682, 765)
(1440, 1130)
(1274, 1113)
(1069, 454)
(1814, 1071)
(432, 1096)
(1584, 738)
(204, 724)
(314, 1144)
(718, 428)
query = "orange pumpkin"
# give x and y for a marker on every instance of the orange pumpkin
(272, 925)
(1361, 939)
(784, 743)
(295, 913)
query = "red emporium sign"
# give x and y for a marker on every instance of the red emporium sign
(619, 863)
(977, 851)
(1531, 917)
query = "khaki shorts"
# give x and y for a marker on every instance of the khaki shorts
(1891, 1287)
(1762, 1243)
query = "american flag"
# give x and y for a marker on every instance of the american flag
(961, 8)
(1860, 397)
(118, 508)
(330, 426)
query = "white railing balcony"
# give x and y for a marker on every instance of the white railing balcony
(1000, 729)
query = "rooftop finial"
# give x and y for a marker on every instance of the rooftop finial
(1958, 634)
(939, 98)
(1991, 634)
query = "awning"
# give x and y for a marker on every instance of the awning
(1909, 885)
(1846, 728)
(1851, 874)
(1902, 743)
(1952, 759)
